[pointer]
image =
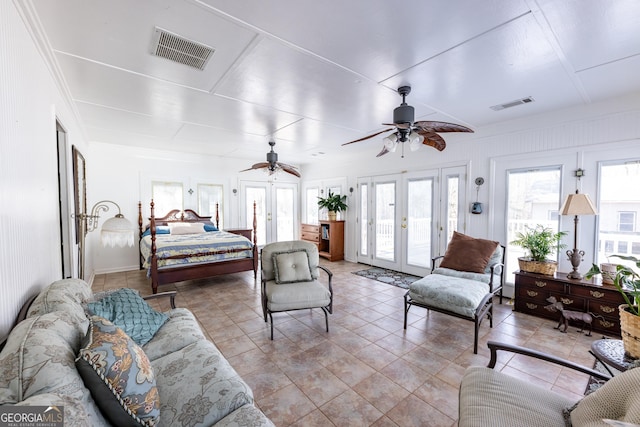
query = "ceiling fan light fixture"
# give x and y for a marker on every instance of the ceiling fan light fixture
(390, 142)
(415, 141)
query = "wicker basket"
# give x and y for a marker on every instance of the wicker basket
(630, 331)
(547, 267)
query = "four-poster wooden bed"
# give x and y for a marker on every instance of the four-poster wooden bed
(176, 257)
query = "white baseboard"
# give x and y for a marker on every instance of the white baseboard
(117, 270)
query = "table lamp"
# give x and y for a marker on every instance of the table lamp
(576, 204)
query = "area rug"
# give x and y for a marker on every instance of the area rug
(594, 383)
(389, 277)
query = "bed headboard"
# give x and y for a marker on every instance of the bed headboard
(186, 215)
(176, 215)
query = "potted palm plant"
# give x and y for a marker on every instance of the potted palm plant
(539, 242)
(333, 203)
(627, 281)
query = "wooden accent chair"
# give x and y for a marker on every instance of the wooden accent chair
(289, 279)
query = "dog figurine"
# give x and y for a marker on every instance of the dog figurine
(566, 315)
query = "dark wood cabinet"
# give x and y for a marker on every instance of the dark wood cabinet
(602, 301)
(246, 232)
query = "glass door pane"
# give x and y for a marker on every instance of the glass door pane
(453, 206)
(285, 210)
(418, 222)
(364, 220)
(259, 195)
(312, 206)
(385, 220)
(618, 226)
(533, 198)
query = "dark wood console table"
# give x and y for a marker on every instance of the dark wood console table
(602, 301)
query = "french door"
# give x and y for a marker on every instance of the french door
(406, 219)
(276, 210)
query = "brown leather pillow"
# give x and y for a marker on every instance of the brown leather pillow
(466, 253)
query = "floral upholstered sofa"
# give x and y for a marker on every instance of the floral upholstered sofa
(63, 355)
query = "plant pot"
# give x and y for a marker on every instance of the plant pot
(608, 272)
(541, 267)
(630, 331)
(332, 216)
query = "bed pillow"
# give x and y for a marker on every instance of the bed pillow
(210, 227)
(130, 312)
(119, 375)
(160, 229)
(186, 228)
(466, 253)
(291, 266)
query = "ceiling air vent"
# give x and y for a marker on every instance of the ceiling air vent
(512, 103)
(178, 49)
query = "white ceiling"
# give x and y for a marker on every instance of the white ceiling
(315, 74)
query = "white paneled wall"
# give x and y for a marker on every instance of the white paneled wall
(29, 220)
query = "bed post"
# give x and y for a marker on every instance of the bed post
(140, 230)
(154, 257)
(255, 243)
(217, 217)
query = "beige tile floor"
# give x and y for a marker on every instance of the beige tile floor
(367, 370)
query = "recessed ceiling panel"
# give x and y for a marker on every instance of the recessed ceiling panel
(511, 62)
(286, 79)
(611, 80)
(377, 38)
(313, 135)
(125, 121)
(119, 33)
(594, 32)
(132, 92)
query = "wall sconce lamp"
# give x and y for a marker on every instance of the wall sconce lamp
(576, 204)
(116, 231)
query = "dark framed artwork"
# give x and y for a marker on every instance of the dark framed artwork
(79, 192)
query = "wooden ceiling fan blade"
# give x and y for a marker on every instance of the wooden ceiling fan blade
(289, 169)
(440, 127)
(367, 137)
(432, 139)
(383, 152)
(257, 166)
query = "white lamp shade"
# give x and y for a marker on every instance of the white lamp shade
(578, 204)
(390, 142)
(117, 231)
(415, 140)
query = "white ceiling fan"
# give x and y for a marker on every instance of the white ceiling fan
(416, 133)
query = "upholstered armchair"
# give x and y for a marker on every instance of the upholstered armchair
(290, 279)
(462, 283)
(489, 397)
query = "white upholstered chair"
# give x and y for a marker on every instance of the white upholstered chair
(290, 279)
(489, 397)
